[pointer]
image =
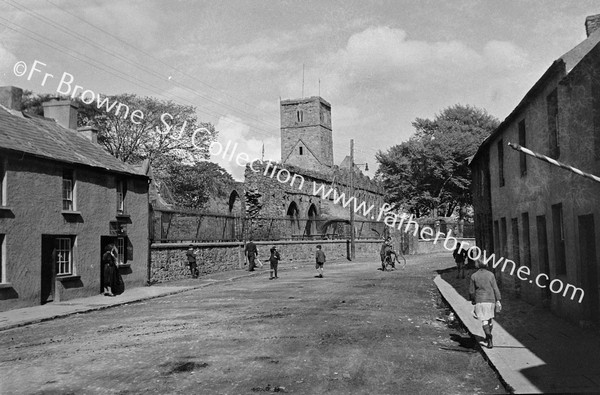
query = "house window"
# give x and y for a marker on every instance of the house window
(121, 193)
(2, 182)
(301, 151)
(503, 237)
(522, 143)
(68, 190)
(480, 187)
(300, 115)
(2, 259)
(124, 250)
(596, 116)
(516, 248)
(121, 256)
(501, 162)
(558, 231)
(64, 256)
(552, 106)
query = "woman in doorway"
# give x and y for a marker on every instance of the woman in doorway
(109, 269)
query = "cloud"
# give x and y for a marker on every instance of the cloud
(7, 60)
(387, 55)
(244, 63)
(237, 135)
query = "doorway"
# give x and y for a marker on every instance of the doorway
(543, 259)
(589, 266)
(48, 278)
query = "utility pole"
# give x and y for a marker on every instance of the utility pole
(352, 235)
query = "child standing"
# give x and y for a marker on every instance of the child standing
(460, 256)
(274, 260)
(320, 257)
(191, 257)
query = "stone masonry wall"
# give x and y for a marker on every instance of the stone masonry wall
(169, 261)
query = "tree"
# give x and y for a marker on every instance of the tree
(166, 128)
(169, 142)
(193, 186)
(429, 174)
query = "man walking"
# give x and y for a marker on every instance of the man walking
(274, 261)
(320, 258)
(251, 252)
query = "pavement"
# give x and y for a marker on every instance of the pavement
(534, 351)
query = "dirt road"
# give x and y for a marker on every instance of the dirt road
(357, 330)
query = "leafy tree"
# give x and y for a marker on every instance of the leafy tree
(157, 134)
(174, 157)
(193, 185)
(428, 174)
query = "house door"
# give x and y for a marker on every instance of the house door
(589, 266)
(48, 279)
(544, 262)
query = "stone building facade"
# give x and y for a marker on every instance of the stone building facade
(64, 198)
(286, 189)
(537, 214)
(306, 134)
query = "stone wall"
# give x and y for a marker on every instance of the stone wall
(312, 132)
(169, 260)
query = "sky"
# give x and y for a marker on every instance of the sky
(381, 64)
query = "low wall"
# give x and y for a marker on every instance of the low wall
(169, 261)
(426, 247)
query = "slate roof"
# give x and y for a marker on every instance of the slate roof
(44, 138)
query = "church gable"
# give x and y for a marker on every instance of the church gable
(302, 156)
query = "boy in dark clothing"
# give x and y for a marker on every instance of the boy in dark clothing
(251, 252)
(388, 255)
(274, 260)
(320, 258)
(460, 256)
(191, 257)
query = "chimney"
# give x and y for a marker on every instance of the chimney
(10, 97)
(592, 23)
(63, 111)
(89, 132)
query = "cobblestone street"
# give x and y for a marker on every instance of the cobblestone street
(358, 330)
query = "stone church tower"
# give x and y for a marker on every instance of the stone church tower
(306, 135)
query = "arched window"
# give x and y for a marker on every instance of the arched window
(300, 115)
(233, 199)
(293, 214)
(311, 223)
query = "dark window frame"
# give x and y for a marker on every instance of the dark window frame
(522, 143)
(553, 125)
(501, 179)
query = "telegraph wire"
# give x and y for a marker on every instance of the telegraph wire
(94, 63)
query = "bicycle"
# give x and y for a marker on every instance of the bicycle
(388, 261)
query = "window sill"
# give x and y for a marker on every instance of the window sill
(5, 208)
(124, 265)
(5, 285)
(123, 216)
(69, 212)
(68, 277)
